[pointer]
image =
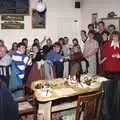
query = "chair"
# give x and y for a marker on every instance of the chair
(89, 106)
(26, 104)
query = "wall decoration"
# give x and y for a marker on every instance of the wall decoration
(115, 21)
(38, 19)
(95, 19)
(14, 7)
(12, 17)
(12, 25)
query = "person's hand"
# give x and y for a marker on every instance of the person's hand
(116, 56)
(61, 60)
(103, 60)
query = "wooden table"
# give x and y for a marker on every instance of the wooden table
(59, 92)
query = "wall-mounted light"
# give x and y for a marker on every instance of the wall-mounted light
(40, 6)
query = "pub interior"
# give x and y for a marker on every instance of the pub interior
(59, 60)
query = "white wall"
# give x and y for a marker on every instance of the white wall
(102, 7)
(55, 9)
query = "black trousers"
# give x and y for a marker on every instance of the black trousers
(111, 104)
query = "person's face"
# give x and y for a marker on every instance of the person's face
(49, 42)
(14, 46)
(90, 35)
(61, 42)
(57, 49)
(36, 41)
(82, 35)
(21, 49)
(35, 49)
(111, 30)
(26, 42)
(104, 37)
(3, 51)
(75, 42)
(90, 28)
(66, 40)
(101, 27)
(1, 43)
(115, 37)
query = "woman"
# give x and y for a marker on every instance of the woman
(36, 55)
(89, 52)
(101, 59)
(5, 65)
(13, 50)
(111, 66)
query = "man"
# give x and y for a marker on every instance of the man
(101, 28)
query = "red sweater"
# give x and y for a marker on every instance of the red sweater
(111, 64)
(76, 56)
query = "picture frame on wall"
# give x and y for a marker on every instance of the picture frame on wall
(15, 7)
(115, 21)
(38, 19)
(94, 19)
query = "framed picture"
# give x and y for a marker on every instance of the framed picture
(94, 19)
(115, 21)
(14, 7)
(12, 25)
(12, 17)
(38, 19)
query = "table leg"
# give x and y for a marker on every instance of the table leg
(44, 111)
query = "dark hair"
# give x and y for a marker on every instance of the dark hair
(65, 37)
(83, 31)
(91, 32)
(75, 39)
(115, 33)
(36, 45)
(57, 44)
(101, 22)
(24, 39)
(111, 25)
(105, 32)
(21, 44)
(14, 44)
(36, 39)
(48, 40)
(91, 25)
(2, 42)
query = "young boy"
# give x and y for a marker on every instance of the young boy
(19, 63)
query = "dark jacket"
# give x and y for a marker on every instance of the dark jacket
(8, 107)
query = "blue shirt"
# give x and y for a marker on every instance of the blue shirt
(53, 56)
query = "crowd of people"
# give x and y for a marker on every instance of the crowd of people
(99, 54)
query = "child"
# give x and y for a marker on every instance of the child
(76, 55)
(56, 58)
(19, 63)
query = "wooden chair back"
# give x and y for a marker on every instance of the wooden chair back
(28, 100)
(89, 106)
